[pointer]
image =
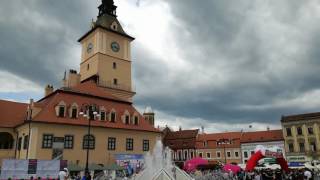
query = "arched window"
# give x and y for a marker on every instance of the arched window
(6, 140)
(126, 117)
(73, 111)
(103, 114)
(114, 26)
(113, 116)
(88, 142)
(61, 109)
(136, 120)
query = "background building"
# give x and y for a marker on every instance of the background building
(268, 139)
(301, 134)
(182, 143)
(91, 115)
(222, 147)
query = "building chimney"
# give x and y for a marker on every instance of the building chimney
(72, 79)
(48, 90)
(180, 128)
(268, 128)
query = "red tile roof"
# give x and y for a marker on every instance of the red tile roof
(315, 115)
(88, 93)
(183, 139)
(212, 140)
(12, 113)
(183, 134)
(262, 136)
(88, 88)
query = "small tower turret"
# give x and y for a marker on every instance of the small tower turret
(149, 115)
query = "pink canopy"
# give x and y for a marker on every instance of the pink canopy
(230, 167)
(192, 164)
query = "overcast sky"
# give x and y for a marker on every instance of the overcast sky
(223, 64)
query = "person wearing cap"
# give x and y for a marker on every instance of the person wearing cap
(63, 175)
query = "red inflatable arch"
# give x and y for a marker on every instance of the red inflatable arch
(262, 152)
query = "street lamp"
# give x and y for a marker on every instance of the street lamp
(28, 119)
(89, 111)
(224, 142)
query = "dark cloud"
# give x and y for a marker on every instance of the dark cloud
(241, 57)
(38, 37)
(261, 51)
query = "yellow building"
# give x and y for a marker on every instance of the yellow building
(92, 110)
(301, 134)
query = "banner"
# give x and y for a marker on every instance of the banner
(48, 169)
(132, 162)
(15, 169)
(24, 169)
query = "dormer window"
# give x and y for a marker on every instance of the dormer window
(136, 120)
(61, 109)
(113, 116)
(114, 26)
(102, 115)
(73, 112)
(127, 119)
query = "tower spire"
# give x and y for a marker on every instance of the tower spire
(107, 7)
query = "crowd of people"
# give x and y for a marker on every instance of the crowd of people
(262, 174)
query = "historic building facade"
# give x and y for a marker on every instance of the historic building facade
(302, 136)
(182, 143)
(220, 147)
(91, 113)
(268, 139)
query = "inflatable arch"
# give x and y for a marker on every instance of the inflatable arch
(262, 152)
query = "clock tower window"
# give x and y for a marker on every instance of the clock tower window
(115, 81)
(114, 65)
(88, 67)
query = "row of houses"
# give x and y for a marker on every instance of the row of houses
(298, 139)
(227, 147)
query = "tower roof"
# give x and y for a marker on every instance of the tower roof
(107, 7)
(107, 20)
(148, 110)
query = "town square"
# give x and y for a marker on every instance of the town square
(159, 90)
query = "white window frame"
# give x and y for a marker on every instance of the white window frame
(230, 155)
(207, 155)
(218, 157)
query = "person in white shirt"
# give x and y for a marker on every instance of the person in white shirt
(307, 174)
(257, 176)
(63, 175)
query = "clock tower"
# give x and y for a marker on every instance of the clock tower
(106, 56)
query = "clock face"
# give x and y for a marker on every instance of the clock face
(115, 47)
(89, 48)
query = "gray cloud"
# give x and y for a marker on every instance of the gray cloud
(260, 52)
(38, 37)
(239, 54)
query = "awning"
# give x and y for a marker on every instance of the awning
(113, 167)
(74, 167)
(96, 167)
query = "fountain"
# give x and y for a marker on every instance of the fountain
(159, 166)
